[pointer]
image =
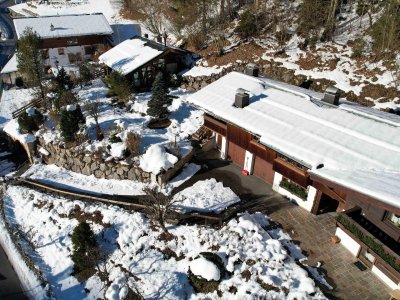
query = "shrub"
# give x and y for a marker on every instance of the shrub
(294, 188)
(202, 285)
(69, 123)
(358, 48)
(85, 73)
(30, 122)
(65, 98)
(114, 139)
(84, 244)
(250, 23)
(119, 86)
(371, 242)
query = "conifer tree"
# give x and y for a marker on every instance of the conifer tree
(83, 242)
(69, 123)
(160, 100)
(30, 60)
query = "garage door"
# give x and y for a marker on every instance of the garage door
(263, 170)
(236, 154)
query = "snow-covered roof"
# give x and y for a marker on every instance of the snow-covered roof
(296, 123)
(131, 54)
(11, 65)
(64, 25)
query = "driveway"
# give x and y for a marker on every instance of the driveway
(312, 233)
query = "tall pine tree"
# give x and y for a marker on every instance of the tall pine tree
(160, 100)
(30, 60)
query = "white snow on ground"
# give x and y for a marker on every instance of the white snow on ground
(12, 129)
(207, 196)
(60, 177)
(200, 70)
(187, 172)
(157, 159)
(134, 248)
(11, 100)
(205, 269)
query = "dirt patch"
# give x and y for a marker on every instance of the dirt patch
(379, 91)
(315, 62)
(77, 213)
(131, 14)
(245, 52)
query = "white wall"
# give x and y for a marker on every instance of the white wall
(349, 243)
(224, 148)
(63, 59)
(306, 204)
(384, 278)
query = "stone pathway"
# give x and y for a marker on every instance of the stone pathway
(313, 235)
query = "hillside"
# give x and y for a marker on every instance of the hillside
(350, 44)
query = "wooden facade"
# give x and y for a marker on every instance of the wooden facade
(329, 196)
(75, 41)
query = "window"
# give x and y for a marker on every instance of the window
(72, 42)
(89, 50)
(74, 57)
(61, 51)
(393, 218)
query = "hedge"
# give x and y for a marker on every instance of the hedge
(370, 241)
(293, 188)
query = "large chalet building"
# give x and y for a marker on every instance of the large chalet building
(68, 39)
(324, 153)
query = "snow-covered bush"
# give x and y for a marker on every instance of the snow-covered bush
(206, 272)
(30, 120)
(69, 122)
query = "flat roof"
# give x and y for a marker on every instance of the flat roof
(131, 54)
(296, 123)
(64, 25)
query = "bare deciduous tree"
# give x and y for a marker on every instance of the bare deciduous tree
(160, 205)
(93, 109)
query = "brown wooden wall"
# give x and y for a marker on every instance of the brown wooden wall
(81, 41)
(239, 136)
(215, 125)
(291, 172)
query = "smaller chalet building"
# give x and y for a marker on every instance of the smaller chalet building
(68, 39)
(140, 59)
(324, 153)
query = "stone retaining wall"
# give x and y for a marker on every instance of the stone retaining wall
(269, 69)
(78, 160)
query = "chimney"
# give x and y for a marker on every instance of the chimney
(242, 98)
(146, 35)
(159, 38)
(331, 96)
(252, 70)
(52, 27)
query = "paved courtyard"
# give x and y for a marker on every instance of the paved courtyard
(312, 233)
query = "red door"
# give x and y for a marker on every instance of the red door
(263, 170)
(236, 154)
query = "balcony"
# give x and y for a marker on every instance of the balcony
(380, 245)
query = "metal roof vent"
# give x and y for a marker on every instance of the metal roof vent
(252, 70)
(331, 96)
(242, 98)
